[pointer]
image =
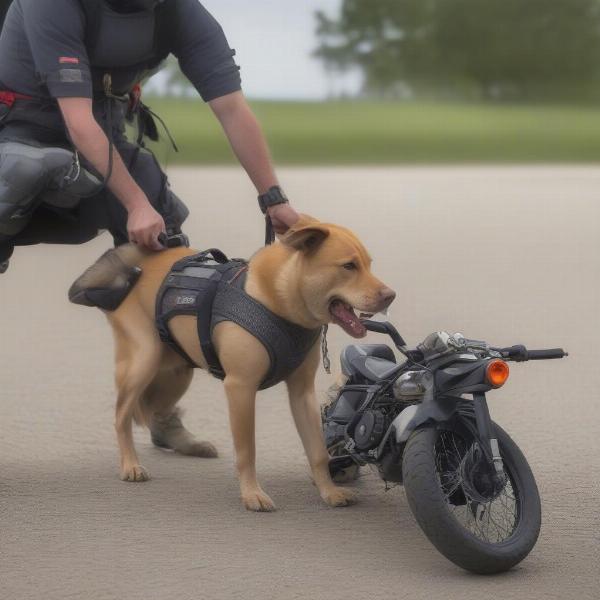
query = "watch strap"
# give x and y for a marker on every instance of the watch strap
(272, 197)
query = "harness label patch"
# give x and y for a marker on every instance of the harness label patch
(185, 300)
(68, 60)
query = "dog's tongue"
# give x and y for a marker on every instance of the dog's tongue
(344, 316)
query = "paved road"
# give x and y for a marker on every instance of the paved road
(504, 254)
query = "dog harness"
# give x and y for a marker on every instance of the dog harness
(210, 287)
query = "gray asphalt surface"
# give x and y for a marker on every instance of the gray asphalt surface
(503, 254)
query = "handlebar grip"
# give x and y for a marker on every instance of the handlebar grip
(520, 354)
(546, 354)
(375, 326)
(389, 329)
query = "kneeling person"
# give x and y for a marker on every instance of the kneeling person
(69, 73)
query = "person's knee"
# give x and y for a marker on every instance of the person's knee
(21, 180)
(25, 172)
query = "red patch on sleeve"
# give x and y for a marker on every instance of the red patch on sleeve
(71, 60)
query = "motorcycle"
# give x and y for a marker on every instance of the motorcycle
(425, 424)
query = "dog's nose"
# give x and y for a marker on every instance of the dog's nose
(386, 297)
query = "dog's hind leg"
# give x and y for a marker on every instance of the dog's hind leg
(138, 359)
(166, 428)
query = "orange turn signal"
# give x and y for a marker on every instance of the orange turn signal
(497, 373)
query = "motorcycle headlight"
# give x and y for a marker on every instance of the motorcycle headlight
(409, 385)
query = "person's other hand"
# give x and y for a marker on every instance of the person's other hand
(144, 225)
(283, 216)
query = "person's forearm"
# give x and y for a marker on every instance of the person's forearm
(93, 144)
(144, 223)
(249, 145)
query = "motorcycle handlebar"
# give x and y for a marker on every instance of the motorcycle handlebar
(520, 354)
(387, 328)
(375, 326)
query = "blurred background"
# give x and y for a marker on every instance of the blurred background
(404, 81)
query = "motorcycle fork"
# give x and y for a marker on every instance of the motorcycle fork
(487, 436)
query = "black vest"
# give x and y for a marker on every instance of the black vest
(211, 287)
(128, 45)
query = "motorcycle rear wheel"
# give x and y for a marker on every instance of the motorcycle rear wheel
(479, 528)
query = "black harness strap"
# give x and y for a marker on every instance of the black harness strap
(166, 27)
(204, 322)
(189, 289)
(286, 343)
(92, 11)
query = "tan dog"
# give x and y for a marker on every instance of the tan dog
(317, 275)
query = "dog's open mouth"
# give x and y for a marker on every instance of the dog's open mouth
(343, 315)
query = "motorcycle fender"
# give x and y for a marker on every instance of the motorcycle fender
(416, 415)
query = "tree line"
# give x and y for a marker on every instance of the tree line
(491, 49)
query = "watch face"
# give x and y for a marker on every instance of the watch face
(276, 195)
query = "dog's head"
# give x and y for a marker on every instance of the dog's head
(335, 279)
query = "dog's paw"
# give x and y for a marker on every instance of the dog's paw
(258, 501)
(134, 473)
(201, 449)
(338, 496)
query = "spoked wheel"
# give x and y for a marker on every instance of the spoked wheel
(481, 521)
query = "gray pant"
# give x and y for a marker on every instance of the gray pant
(83, 222)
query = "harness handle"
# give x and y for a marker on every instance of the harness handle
(215, 254)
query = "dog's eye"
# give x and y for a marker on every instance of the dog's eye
(350, 266)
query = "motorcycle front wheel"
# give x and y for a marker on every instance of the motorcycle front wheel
(481, 525)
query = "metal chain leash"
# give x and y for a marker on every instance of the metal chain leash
(325, 350)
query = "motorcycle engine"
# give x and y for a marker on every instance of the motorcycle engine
(370, 429)
(367, 433)
(338, 414)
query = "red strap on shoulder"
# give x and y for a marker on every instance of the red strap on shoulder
(135, 97)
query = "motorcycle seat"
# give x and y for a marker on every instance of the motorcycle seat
(372, 361)
(373, 368)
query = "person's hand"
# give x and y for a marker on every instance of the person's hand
(283, 216)
(144, 225)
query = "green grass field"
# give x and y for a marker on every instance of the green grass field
(390, 133)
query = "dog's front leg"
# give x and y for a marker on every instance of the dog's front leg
(246, 363)
(307, 416)
(242, 401)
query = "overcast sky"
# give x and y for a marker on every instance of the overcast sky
(274, 40)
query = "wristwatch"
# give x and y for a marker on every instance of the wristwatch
(272, 197)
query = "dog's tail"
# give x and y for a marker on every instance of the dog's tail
(110, 279)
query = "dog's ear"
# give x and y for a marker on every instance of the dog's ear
(307, 234)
